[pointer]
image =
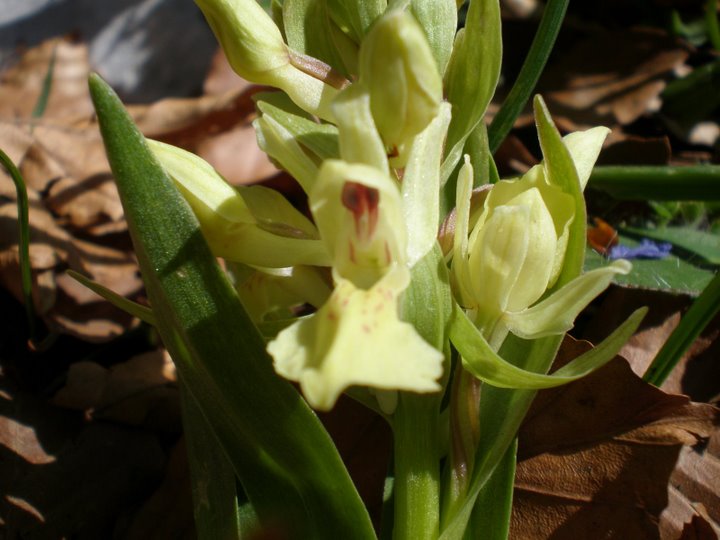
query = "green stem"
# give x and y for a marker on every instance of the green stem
(712, 25)
(23, 243)
(702, 311)
(530, 72)
(701, 182)
(417, 473)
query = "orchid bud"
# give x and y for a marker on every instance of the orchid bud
(257, 52)
(398, 68)
(252, 42)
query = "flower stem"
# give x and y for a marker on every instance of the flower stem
(417, 474)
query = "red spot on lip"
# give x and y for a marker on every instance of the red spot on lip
(363, 202)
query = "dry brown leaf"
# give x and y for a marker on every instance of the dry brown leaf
(141, 391)
(75, 212)
(63, 478)
(22, 84)
(169, 512)
(596, 456)
(611, 77)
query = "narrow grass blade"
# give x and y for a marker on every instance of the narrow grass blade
(705, 307)
(23, 243)
(533, 66)
(696, 183)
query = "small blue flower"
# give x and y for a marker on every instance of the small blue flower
(646, 250)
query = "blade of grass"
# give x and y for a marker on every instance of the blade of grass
(23, 243)
(530, 71)
(696, 183)
(711, 22)
(42, 101)
(702, 311)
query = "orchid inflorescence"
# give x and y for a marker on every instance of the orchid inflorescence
(379, 118)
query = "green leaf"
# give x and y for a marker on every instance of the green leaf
(23, 243)
(285, 460)
(704, 244)
(502, 410)
(542, 45)
(671, 274)
(215, 504)
(491, 516)
(472, 75)
(705, 307)
(143, 313)
(480, 360)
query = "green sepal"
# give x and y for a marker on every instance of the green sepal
(560, 171)
(285, 460)
(483, 362)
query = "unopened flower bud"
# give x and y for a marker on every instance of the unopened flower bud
(399, 69)
(257, 52)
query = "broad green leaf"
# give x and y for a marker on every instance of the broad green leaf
(306, 24)
(472, 75)
(421, 187)
(285, 460)
(704, 244)
(671, 274)
(480, 360)
(143, 313)
(439, 20)
(320, 139)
